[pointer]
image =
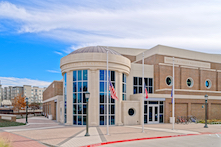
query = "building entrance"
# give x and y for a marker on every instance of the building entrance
(153, 114)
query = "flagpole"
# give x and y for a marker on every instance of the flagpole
(107, 97)
(143, 97)
(173, 93)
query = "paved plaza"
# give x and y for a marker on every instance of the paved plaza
(42, 132)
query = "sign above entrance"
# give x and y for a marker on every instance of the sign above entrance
(154, 99)
(186, 62)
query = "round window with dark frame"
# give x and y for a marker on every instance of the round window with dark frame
(131, 111)
(169, 81)
(208, 83)
(189, 82)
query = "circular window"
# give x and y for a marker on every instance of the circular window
(208, 84)
(169, 81)
(189, 82)
(131, 111)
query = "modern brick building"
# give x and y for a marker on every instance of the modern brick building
(52, 99)
(196, 74)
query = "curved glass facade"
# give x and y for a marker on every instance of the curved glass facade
(80, 86)
(103, 98)
(65, 97)
(124, 88)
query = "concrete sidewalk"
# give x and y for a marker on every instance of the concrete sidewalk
(49, 133)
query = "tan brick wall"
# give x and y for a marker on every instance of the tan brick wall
(56, 88)
(180, 109)
(186, 73)
(219, 81)
(216, 111)
(186, 107)
(197, 110)
(164, 72)
(211, 75)
(50, 109)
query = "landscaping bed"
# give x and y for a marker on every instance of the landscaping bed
(7, 123)
(213, 121)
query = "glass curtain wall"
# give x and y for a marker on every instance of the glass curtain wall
(124, 89)
(103, 98)
(80, 86)
(65, 97)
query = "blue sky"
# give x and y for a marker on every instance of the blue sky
(36, 34)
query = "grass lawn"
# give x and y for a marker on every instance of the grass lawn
(7, 123)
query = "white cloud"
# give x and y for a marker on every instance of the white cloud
(13, 81)
(53, 71)
(59, 53)
(144, 24)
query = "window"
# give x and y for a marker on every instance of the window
(169, 80)
(80, 85)
(124, 89)
(103, 98)
(189, 82)
(208, 84)
(65, 97)
(138, 85)
(131, 111)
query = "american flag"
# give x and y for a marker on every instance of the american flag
(112, 90)
(145, 89)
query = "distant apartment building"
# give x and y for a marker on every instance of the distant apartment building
(1, 93)
(7, 93)
(34, 94)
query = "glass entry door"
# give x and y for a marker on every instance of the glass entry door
(153, 111)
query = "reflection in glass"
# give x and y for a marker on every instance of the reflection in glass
(79, 75)
(145, 119)
(156, 113)
(135, 80)
(79, 97)
(80, 109)
(74, 75)
(84, 109)
(79, 86)
(74, 109)
(84, 74)
(161, 108)
(150, 113)
(84, 120)
(101, 109)
(74, 120)
(101, 120)
(161, 118)
(79, 120)
(85, 86)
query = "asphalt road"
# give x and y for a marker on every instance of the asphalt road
(208, 140)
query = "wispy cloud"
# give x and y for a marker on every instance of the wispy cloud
(59, 53)
(53, 71)
(144, 23)
(13, 81)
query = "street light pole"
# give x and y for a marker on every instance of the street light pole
(206, 98)
(26, 99)
(87, 95)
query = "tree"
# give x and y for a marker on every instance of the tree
(19, 103)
